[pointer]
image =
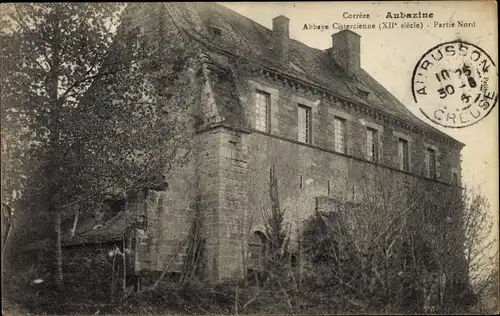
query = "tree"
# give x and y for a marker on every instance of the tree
(404, 245)
(278, 236)
(477, 245)
(98, 113)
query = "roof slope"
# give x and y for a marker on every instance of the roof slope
(245, 37)
(89, 232)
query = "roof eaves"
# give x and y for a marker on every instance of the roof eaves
(315, 85)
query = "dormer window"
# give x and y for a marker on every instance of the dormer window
(297, 68)
(215, 32)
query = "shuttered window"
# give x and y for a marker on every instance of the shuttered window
(339, 134)
(372, 144)
(403, 154)
(262, 109)
(304, 124)
(431, 163)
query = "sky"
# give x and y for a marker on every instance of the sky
(390, 56)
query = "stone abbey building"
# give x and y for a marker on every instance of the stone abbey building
(269, 100)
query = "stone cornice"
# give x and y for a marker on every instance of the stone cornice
(347, 103)
(223, 124)
(313, 89)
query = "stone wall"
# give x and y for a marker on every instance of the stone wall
(169, 216)
(304, 174)
(207, 171)
(284, 104)
(233, 202)
(306, 171)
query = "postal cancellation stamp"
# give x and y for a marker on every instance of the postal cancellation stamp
(455, 84)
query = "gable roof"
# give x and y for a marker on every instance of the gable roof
(244, 37)
(89, 232)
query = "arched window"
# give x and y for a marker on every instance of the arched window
(256, 249)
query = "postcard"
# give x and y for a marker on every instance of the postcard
(250, 158)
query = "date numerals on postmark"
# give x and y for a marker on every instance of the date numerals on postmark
(449, 88)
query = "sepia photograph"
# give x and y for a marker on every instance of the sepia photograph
(249, 158)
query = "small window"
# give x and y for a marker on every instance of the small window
(403, 154)
(339, 134)
(454, 179)
(304, 127)
(372, 144)
(262, 109)
(215, 32)
(431, 163)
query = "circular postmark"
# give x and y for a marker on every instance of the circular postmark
(455, 84)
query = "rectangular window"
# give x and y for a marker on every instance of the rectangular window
(431, 163)
(454, 179)
(339, 134)
(403, 153)
(304, 121)
(262, 109)
(372, 144)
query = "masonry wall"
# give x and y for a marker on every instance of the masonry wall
(307, 172)
(233, 207)
(169, 215)
(207, 171)
(194, 195)
(283, 116)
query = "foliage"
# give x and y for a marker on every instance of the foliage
(88, 113)
(406, 248)
(278, 237)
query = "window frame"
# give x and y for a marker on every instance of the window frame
(258, 112)
(344, 134)
(431, 152)
(404, 160)
(455, 178)
(308, 124)
(372, 154)
(258, 240)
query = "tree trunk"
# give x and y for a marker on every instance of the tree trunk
(75, 223)
(6, 225)
(53, 124)
(124, 284)
(58, 275)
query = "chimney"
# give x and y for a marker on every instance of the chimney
(281, 38)
(346, 51)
